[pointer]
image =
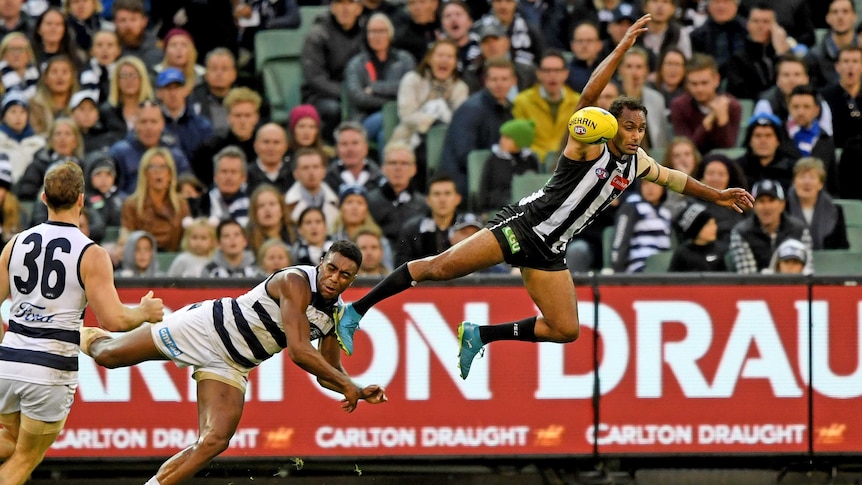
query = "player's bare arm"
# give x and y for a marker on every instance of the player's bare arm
(4, 276)
(331, 351)
(598, 80)
(294, 294)
(97, 274)
(734, 198)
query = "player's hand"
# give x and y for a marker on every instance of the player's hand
(374, 394)
(153, 308)
(351, 397)
(736, 199)
(635, 31)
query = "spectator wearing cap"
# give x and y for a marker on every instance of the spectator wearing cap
(243, 115)
(272, 165)
(530, 44)
(189, 129)
(753, 240)
(710, 119)
(791, 257)
(130, 20)
(720, 172)
(428, 235)
(328, 47)
(18, 69)
(807, 201)
(304, 131)
(95, 76)
(394, 201)
(510, 156)
(372, 76)
(353, 216)
(18, 141)
(229, 197)
(84, 108)
(586, 45)
(769, 154)
(549, 104)
(723, 34)
(494, 43)
(180, 54)
(352, 167)
(10, 208)
(309, 190)
(699, 251)
(207, 98)
(476, 123)
(622, 17)
(101, 193)
(417, 26)
(149, 133)
(64, 141)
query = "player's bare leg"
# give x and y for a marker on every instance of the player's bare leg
(554, 294)
(219, 410)
(127, 349)
(9, 433)
(33, 440)
(479, 251)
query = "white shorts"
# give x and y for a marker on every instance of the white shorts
(185, 337)
(40, 402)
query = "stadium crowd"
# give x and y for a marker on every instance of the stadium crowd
(418, 120)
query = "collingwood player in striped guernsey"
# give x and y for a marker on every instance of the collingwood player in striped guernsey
(533, 233)
(52, 272)
(224, 339)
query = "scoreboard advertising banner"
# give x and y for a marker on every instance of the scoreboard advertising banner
(682, 369)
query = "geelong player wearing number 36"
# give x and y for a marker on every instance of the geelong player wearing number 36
(52, 272)
(533, 233)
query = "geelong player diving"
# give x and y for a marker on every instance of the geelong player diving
(53, 272)
(533, 233)
(224, 339)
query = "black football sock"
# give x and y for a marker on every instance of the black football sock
(397, 281)
(524, 330)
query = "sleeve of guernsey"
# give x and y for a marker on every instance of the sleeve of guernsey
(649, 169)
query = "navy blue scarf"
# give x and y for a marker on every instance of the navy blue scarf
(27, 132)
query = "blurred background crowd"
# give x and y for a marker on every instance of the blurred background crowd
(224, 138)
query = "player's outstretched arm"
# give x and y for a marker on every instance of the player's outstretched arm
(331, 351)
(294, 294)
(4, 277)
(97, 274)
(603, 72)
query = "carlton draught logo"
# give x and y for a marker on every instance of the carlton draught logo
(832, 434)
(278, 438)
(550, 436)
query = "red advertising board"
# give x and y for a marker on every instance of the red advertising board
(683, 369)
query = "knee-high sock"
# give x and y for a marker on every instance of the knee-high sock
(524, 330)
(397, 281)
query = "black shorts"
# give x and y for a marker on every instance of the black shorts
(520, 245)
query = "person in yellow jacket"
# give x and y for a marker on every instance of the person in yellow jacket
(549, 103)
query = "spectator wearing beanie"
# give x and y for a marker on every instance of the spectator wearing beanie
(18, 141)
(510, 156)
(304, 131)
(10, 208)
(699, 252)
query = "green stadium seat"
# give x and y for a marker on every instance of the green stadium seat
(747, 111)
(732, 153)
(550, 162)
(282, 79)
(527, 183)
(434, 147)
(307, 15)
(475, 165)
(390, 119)
(852, 211)
(274, 44)
(658, 262)
(854, 237)
(837, 262)
(607, 243)
(657, 153)
(165, 259)
(112, 233)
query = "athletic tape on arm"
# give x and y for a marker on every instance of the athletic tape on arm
(649, 169)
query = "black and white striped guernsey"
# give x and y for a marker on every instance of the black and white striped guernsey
(249, 327)
(575, 195)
